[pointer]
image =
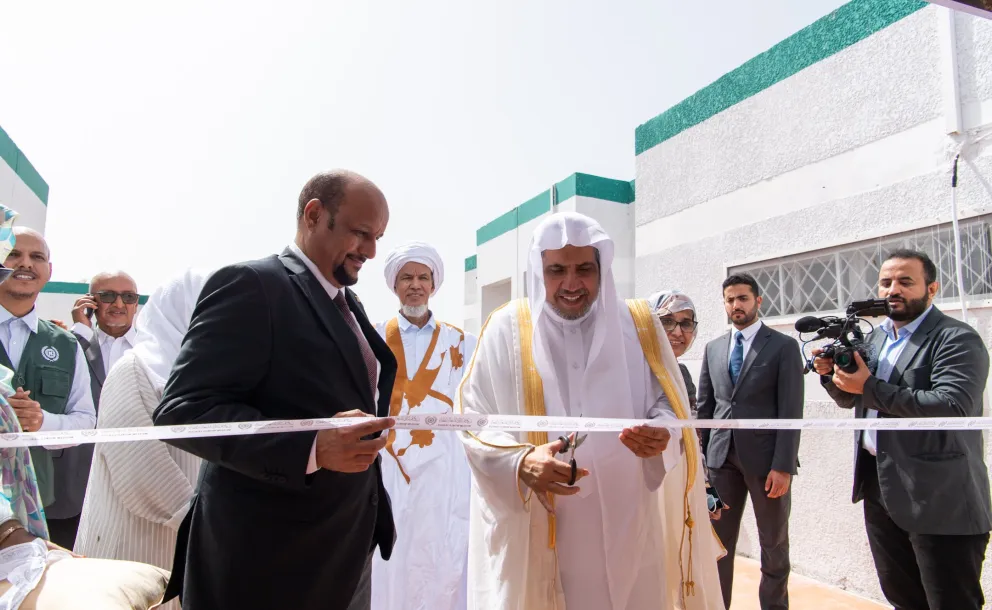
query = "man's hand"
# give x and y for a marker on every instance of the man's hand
(852, 383)
(645, 441)
(343, 450)
(823, 366)
(540, 471)
(777, 483)
(715, 515)
(79, 310)
(28, 411)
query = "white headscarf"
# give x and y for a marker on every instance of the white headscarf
(414, 252)
(668, 302)
(606, 371)
(163, 322)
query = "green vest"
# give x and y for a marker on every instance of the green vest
(46, 369)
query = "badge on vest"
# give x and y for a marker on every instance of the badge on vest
(49, 353)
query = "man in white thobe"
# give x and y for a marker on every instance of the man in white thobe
(425, 472)
(632, 532)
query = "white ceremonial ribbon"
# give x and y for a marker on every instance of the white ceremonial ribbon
(476, 422)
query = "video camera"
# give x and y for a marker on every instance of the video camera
(846, 332)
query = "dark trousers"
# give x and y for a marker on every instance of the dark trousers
(63, 531)
(772, 515)
(920, 571)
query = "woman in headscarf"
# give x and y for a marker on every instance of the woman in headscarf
(678, 318)
(138, 493)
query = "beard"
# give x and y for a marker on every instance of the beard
(414, 311)
(913, 309)
(571, 315)
(748, 317)
(341, 275)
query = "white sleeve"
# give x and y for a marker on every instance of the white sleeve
(494, 456)
(83, 331)
(655, 468)
(80, 413)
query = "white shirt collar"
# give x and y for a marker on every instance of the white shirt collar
(130, 336)
(750, 331)
(331, 289)
(30, 319)
(406, 325)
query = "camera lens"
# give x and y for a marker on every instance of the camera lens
(843, 359)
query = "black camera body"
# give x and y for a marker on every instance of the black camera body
(846, 332)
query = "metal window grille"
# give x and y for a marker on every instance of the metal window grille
(829, 279)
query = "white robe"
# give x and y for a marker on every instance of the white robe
(598, 564)
(427, 567)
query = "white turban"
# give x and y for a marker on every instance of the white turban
(414, 252)
(163, 322)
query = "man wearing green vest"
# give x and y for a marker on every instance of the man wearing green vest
(50, 371)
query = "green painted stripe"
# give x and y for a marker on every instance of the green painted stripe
(584, 185)
(79, 288)
(16, 160)
(842, 28)
(471, 263)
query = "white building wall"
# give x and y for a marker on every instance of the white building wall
(853, 147)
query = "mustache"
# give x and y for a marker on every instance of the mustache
(358, 257)
(572, 293)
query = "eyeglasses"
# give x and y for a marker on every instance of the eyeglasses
(110, 296)
(687, 326)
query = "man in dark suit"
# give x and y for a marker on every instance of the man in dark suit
(112, 303)
(926, 492)
(753, 372)
(287, 520)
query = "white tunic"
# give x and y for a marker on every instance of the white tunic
(427, 568)
(626, 562)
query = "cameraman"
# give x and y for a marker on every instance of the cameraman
(925, 492)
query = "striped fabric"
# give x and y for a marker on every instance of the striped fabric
(138, 492)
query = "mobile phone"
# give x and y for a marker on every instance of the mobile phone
(713, 501)
(89, 312)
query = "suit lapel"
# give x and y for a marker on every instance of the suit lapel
(94, 356)
(916, 341)
(332, 320)
(876, 340)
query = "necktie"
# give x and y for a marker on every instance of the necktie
(737, 357)
(363, 344)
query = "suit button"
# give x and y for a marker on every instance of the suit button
(733, 404)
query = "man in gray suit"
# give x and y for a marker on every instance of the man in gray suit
(112, 303)
(925, 492)
(752, 372)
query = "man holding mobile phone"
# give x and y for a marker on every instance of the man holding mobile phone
(103, 326)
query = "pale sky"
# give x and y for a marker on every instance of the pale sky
(180, 133)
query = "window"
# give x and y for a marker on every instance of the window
(829, 279)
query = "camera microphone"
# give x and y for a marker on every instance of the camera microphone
(809, 324)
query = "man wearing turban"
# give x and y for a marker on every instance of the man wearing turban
(424, 471)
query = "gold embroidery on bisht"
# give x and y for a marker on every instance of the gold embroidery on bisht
(457, 359)
(415, 390)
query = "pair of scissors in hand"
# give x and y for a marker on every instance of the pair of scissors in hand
(569, 444)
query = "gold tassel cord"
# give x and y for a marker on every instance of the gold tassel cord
(647, 334)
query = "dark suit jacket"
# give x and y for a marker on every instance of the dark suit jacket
(932, 481)
(267, 342)
(72, 465)
(770, 386)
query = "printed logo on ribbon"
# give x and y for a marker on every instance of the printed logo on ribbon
(543, 423)
(590, 424)
(306, 423)
(89, 432)
(49, 353)
(177, 429)
(430, 420)
(10, 436)
(244, 426)
(482, 422)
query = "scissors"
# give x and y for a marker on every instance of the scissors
(568, 445)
